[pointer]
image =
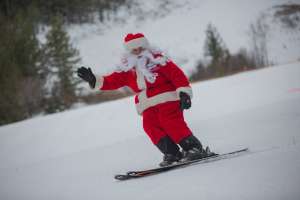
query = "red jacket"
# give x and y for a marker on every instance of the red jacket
(167, 86)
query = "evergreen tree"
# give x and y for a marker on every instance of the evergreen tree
(215, 48)
(61, 60)
(19, 54)
(214, 45)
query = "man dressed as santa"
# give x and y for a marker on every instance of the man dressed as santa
(163, 92)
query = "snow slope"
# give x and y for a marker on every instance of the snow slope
(74, 154)
(179, 29)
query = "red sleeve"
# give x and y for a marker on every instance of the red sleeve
(175, 75)
(114, 81)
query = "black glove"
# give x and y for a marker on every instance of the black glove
(185, 101)
(87, 75)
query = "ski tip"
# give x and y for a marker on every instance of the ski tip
(121, 177)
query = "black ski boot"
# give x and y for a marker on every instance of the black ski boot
(192, 149)
(170, 159)
(170, 150)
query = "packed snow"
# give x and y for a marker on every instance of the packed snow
(75, 154)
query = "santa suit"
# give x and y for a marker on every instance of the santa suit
(157, 102)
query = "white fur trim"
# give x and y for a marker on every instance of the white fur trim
(99, 83)
(141, 82)
(187, 90)
(132, 44)
(145, 102)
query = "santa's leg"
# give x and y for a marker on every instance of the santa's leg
(159, 138)
(172, 121)
(152, 126)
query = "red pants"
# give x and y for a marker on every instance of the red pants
(165, 119)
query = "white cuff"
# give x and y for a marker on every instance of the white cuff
(98, 84)
(187, 90)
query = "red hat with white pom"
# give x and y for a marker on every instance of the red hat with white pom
(134, 41)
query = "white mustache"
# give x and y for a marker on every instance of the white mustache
(158, 60)
(141, 62)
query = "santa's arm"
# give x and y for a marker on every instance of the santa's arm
(177, 77)
(111, 82)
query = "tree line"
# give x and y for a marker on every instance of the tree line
(35, 77)
(38, 78)
(259, 32)
(72, 11)
(223, 62)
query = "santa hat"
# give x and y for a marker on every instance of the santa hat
(134, 41)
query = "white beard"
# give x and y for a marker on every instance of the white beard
(141, 62)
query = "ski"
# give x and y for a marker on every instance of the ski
(137, 174)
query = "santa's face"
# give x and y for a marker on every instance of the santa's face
(139, 58)
(137, 51)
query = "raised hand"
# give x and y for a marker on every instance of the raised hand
(86, 74)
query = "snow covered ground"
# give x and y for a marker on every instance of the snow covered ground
(74, 154)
